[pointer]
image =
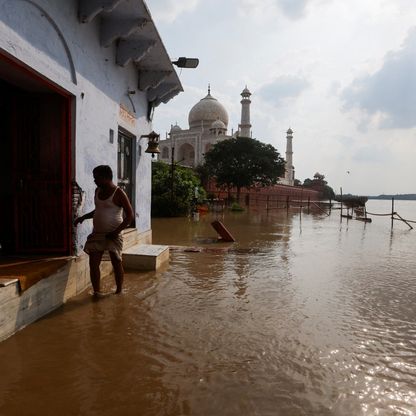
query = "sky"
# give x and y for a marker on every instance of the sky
(340, 73)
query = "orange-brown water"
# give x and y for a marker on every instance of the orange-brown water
(301, 316)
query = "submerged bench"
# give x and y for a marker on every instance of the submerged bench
(145, 257)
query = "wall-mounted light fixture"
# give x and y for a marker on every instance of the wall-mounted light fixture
(131, 92)
(183, 62)
(153, 144)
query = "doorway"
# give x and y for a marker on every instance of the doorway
(35, 165)
(125, 163)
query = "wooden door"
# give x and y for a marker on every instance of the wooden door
(41, 173)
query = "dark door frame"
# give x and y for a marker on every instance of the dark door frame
(133, 139)
(68, 144)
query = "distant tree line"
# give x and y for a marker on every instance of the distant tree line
(175, 190)
(318, 183)
(236, 163)
(402, 197)
(242, 162)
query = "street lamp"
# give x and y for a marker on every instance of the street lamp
(172, 171)
(183, 62)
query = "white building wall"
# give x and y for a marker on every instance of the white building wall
(47, 36)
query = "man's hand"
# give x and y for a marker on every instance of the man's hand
(113, 235)
(79, 220)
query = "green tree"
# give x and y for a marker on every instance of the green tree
(203, 174)
(320, 184)
(243, 162)
(173, 198)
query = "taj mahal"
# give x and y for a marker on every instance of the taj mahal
(208, 125)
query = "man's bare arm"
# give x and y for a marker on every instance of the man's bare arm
(122, 200)
(79, 220)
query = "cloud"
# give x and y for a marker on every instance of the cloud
(346, 141)
(293, 9)
(283, 88)
(169, 10)
(371, 154)
(388, 96)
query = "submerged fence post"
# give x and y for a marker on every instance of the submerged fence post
(309, 203)
(341, 201)
(392, 212)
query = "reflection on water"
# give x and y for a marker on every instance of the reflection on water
(301, 316)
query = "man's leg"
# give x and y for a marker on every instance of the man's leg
(118, 271)
(95, 275)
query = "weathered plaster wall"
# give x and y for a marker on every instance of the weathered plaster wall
(46, 35)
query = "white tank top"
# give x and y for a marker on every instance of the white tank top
(107, 216)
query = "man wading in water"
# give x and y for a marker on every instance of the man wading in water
(110, 203)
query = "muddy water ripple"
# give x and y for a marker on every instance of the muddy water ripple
(302, 316)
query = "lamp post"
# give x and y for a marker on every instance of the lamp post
(181, 62)
(172, 172)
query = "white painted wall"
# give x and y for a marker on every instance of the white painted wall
(48, 37)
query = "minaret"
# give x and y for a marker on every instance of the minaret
(245, 126)
(289, 174)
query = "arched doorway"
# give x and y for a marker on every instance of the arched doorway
(186, 155)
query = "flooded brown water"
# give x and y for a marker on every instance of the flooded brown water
(301, 316)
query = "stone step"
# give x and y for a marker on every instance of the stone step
(129, 237)
(145, 257)
(7, 281)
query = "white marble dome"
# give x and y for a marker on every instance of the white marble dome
(218, 124)
(207, 110)
(175, 128)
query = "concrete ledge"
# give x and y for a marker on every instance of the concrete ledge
(19, 309)
(7, 281)
(132, 237)
(145, 257)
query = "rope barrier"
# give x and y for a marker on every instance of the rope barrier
(317, 206)
(392, 214)
(413, 222)
(405, 221)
